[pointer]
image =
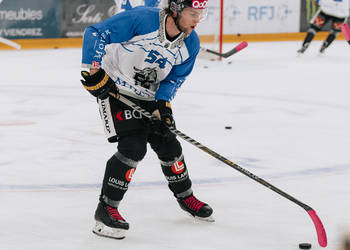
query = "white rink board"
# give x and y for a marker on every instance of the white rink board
(252, 16)
(261, 16)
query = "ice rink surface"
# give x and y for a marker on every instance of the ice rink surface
(290, 118)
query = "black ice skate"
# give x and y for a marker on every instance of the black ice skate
(302, 50)
(196, 208)
(323, 48)
(109, 223)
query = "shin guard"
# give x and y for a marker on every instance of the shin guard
(177, 176)
(310, 36)
(118, 174)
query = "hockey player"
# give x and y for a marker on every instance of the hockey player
(144, 54)
(334, 11)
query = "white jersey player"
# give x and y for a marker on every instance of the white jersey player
(145, 55)
(335, 8)
(334, 11)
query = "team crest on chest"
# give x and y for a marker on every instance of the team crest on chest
(146, 77)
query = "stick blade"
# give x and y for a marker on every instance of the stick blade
(241, 46)
(321, 232)
(233, 51)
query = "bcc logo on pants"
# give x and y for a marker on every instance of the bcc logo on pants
(127, 115)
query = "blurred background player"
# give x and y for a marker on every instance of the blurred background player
(334, 11)
(146, 61)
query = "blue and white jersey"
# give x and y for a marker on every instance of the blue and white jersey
(133, 49)
(336, 8)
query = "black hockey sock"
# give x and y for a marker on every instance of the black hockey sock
(308, 38)
(177, 176)
(118, 174)
(329, 40)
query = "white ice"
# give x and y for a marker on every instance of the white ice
(290, 118)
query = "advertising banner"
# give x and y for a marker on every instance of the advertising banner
(30, 19)
(253, 16)
(79, 14)
(261, 16)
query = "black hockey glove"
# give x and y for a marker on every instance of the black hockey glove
(166, 114)
(99, 84)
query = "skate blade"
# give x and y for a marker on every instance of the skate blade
(109, 232)
(300, 54)
(207, 219)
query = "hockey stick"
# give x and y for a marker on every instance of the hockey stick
(346, 32)
(321, 233)
(233, 51)
(10, 43)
